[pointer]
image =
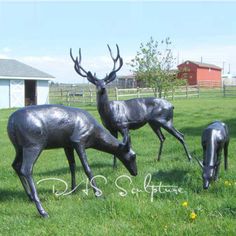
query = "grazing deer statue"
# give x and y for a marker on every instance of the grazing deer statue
(215, 137)
(35, 128)
(120, 116)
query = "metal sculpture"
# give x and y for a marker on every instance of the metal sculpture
(36, 128)
(215, 137)
(121, 116)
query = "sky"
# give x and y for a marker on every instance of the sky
(41, 33)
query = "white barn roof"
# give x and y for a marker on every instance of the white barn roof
(10, 68)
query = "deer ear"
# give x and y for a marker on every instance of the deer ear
(200, 163)
(126, 144)
(110, 77)
(91, 78)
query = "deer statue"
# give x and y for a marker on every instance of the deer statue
(215, 137)
(121, 116)
(35, 128)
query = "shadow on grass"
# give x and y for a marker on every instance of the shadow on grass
(7, 195)
(12, 195)
(66, 170)
(171, 177)
(197, 131)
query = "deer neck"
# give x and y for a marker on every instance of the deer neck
(211, 153)
(103, 102)
(107, 142)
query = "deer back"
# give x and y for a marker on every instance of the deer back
(50, 126)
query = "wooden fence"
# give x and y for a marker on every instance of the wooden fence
(209, 84)
(77, 94)
(175, 92)
(71, 95)
(229, 90)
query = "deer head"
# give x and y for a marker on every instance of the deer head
(208, 173)
(128, 156)
(99, 83)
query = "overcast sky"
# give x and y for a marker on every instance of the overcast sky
(40, 33)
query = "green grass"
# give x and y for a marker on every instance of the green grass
(134, 214)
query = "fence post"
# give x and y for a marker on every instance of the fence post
(116, 92)
(83, 91)
(90, 95)
(138, 92)
(224, 90)
(186, 90)
(61, 94)
(172, 92)
(68, 99)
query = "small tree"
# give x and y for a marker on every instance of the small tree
(152, 65)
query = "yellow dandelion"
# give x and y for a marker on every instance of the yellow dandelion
(185, 204)
(193, 216)
(226, 182)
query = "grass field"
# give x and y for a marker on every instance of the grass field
(138, 212)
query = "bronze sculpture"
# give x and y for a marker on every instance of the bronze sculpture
(121, 116)
(215, 138)
(35, 128)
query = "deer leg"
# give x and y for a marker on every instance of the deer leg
(161, 137)
(71, 160)
(216, 172)
(125, 134)
(204, 154)
(169, 128)
(17, 163)
(115, 134)
(83, 158)
(30, 155)
(217, 165)
(226, 155)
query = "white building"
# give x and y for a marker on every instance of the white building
(22, 85)
(229, 79)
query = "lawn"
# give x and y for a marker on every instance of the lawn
(136, 212)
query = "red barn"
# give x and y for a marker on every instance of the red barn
(200, 73)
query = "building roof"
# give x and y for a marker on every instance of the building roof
(205, 65)
(16, 69)
(131, 76)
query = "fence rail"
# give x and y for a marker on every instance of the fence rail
(175, 92)
(229, 90)
(71, 95)
(209, 84)
(65, 96)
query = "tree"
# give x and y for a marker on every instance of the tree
(152, 65)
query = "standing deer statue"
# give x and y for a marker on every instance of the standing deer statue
(215, 138)
(35, 128)
(121, 116)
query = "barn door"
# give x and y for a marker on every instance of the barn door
(30, 92)
(17, 92)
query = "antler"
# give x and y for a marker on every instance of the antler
(198, 161)
(119, 59)
(80, 70)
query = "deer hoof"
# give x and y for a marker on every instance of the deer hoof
(44, 214)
